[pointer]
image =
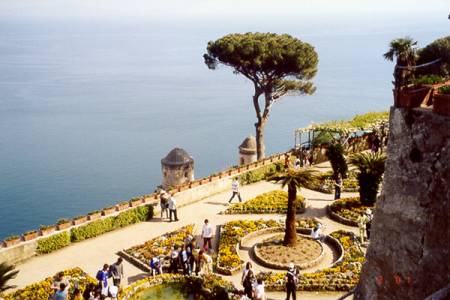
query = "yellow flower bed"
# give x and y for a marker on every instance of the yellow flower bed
(341, 277)
(349, 208)
(232, 232)
(42, 290)
(160, 245)
(270, 202)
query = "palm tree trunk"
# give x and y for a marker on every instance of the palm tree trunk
(290, 236)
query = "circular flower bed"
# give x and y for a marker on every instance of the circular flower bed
(270, 202)
(325, 184)
(347, 211)
(228, 260)
(342, 276)
(271, 253)
(207, 286)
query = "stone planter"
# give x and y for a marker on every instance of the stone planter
(108, 211)
(147, 200)
(412, 96)
(122, 206)
(64, 225)
(12, 242)
(441, 104)
(30, 236)
(136, 202)
(48, 230)
(94, 216)
(80, 220)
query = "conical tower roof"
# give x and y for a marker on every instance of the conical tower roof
(177, 157)
(248, 146)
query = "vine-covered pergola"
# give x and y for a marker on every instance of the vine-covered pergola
(342, 131)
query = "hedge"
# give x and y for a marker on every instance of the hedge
(98, 227)
(95, 228)
(260, 174)
(53, 242)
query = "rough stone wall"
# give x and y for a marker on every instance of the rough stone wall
(408, 257)
(177, 175)
(247, 158)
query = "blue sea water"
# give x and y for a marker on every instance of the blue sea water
(88, 108)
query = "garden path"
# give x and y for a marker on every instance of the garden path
(91, 254)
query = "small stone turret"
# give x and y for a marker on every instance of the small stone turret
(177, 168)
(247, 151)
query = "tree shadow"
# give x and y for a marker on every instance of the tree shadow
(137, 277)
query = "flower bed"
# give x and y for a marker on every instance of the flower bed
(342, 276)
(160, 245)
(228, 260)
(270, 202)
(210, 282)
(325, 183)
(42, 290)
(347, 210)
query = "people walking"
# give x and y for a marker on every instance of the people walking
(369, 222)
(173, 208)
(205, 262)
(316, 233)
(116, 271)
(235, 190)
(362, 223)
(258, 290)
(184, 261)
(102, 277)
(247, 280)
(337, 187)
(61, 293)
(164, 203)
(291, 282)
(207, 233)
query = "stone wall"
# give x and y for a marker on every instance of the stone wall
(408, 257)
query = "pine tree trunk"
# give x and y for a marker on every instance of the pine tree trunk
(260, 148)
(290, 235)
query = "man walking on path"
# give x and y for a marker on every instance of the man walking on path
(173, 208)
(207, 235)
(291, 282)
(235, 190)
(116, 271)
(337, 187)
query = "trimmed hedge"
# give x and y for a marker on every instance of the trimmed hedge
(260, 174)
(95, 228)
(98, 227)
(53, 242)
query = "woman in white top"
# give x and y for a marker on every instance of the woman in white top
(316, 233)
(258, 290)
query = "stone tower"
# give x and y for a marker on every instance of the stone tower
(247, 151)
(177, 168)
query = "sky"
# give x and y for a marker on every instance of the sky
(11, 9)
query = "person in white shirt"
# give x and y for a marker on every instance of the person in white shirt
(258, 290)
(235, 190)
(316, 233)
(173, 208)
(207, 233)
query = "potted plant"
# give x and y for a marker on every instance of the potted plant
(441, 101)
(47, 229)
(30, 235)
(12, 240)
(147, 199)
(79, 220)
(108, 210)
(94, 215)
(62, 224)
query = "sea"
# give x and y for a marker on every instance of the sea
(89, 107)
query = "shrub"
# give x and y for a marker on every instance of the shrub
(444, 90)
(98, 227)
(62, 221)
(53, 242)
(335, 154)
(261, 173)
(429, 79)
(12, 237)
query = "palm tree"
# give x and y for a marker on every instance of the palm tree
(293, 179)
(404, 50)
(371, 169)
(7, 273)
